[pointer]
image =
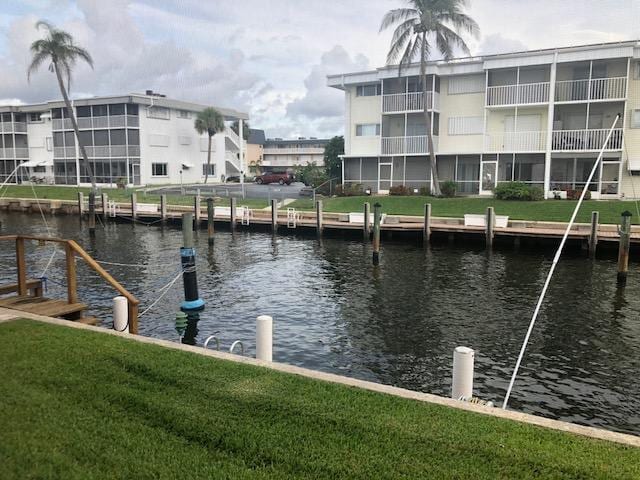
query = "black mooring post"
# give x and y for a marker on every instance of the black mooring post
(376, 233)
(192, 301)
(623, 247)
(92, 213)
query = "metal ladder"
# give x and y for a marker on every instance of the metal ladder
(246, 214)
(292, 217)
(112, 208)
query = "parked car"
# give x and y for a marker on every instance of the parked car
(274, 177)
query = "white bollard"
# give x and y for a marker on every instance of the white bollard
(462, 384)
(120, 314)
(264, 338)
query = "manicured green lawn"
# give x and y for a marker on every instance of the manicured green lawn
(119, 195)
(549, 210)
(78, 404)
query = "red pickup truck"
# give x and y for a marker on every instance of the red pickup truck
(273, 177)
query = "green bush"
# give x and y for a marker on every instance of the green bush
(425, 191)
(400, 191)
(350, 190)
(448, 188)
(575, 194)
(518, 191)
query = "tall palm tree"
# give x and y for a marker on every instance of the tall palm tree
(420, 27)
(209, 121)
(59, 49)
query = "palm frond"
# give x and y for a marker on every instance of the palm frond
(210, 121)
(461, 22)
(398, 15)
(38, 59)
(400, 37)
(79, 52)
(447, 40)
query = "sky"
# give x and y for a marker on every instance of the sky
(269, 58)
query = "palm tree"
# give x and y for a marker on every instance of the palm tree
(246, 129)
(210, 121)
(419, 26)
(59, 49)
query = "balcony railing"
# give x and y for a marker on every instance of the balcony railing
(406, 145)
(534, 141)
(11, 153)
(115, 121)
(409, 102)
(592, 139)
(100, 151)
(522, 94)
(11, 127)
(614, 88)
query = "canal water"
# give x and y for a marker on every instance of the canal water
(396, 324)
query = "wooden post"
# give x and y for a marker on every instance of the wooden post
(22, 266)
(319, 217)
(72, 292)
(163, 208)
(376, 233)
(489, 220)
(134, 206)
(92, 213)
(210, 215)
(366, 226)
(426, 232)
(80, 203)
(274, 215)
(593, 237)
(232, 201)
(105, 206)
(196, 208)
(133, 318)
(623, 247)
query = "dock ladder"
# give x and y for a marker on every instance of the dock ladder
(292, 217)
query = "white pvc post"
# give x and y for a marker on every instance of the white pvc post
(120, 314)
(264, 338)
(462, 384)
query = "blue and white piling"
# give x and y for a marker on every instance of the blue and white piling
(192, 301)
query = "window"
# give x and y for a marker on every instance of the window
(34, 117)
(465, 125)
(158, 112)
(117, 137)
(184, 114)
(159, 169)
(368, 90)
(99, 110)
(83, 112)
(116, 109)
(132, 109)
(209, 169)
(635, 118)
(368, 130)
(184, 140)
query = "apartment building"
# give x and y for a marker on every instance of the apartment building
(538, 117)
(280, 154)
(136, 139)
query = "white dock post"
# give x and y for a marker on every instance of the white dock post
(105, 206)
(163, 208)
(264, 338)
(462, 384)
(80, 203)
(120, 314)
(134, 206)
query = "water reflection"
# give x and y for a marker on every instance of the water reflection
(397, 323)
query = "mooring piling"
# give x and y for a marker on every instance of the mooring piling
(489, 224)
(92, 213)
(80, 204)
(120, 314)
(197, 200)
(264, 338)
(319, 217)
(274, 215)
(593, 236)
(376, 233)
(624, 231)
(105, 206)
(232, 202)
(210, 227)
(366, 224)
(462, 381)
(192, 301)
(163, 208)
(426, 232)
(134, 206)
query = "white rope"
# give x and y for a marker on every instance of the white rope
(166, 288)
(553, 266)
(133, 265)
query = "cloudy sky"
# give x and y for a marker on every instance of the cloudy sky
(267, 57)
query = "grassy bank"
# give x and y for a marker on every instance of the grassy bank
(119, 195)
(549, 210)
(78, 404)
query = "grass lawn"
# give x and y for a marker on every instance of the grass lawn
(119, 195)
(549, 210)
(78, 404)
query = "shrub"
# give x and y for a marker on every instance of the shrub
(400, 190)
(575, 194)
(518, 191)
(425, 191)
(448, 188)
(350, 190)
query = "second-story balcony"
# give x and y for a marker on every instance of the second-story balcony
(587, 139)
(614, 88)
(13, 127)
(413, 145)
(409, 102)
(99, 151)
(13, 153)
(511, 142)
(521, 94)
(84, 123)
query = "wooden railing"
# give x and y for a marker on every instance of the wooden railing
(71, 249)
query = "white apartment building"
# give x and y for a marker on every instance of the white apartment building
(134, 139)
(538, 117)
(281, 154)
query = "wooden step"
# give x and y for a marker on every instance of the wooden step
(32, 284)
(42, 306)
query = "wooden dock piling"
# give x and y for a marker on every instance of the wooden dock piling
(377, 214)
(92, 213)
(210, 226)
(593, 236)
(274, 215)
(233, 202)
(134, 206)
(163, 208)
(426, 231)
(105, 206)
(366, 225)
(623, 247)
(22, 266)
(197, 200)
(72, 282)
(319, 217)
(489, 224)
(80, 203)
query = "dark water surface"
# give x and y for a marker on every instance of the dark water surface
(397, 324)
